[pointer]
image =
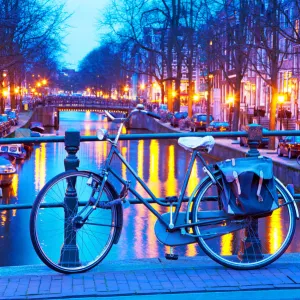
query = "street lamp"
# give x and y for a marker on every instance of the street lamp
(142, 88)
(281, 101)
(230, 102)
(126, 90)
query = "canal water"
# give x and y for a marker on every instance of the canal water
(161, 163)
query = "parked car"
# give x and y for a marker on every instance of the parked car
(289, 146)
(176, 117)
(264, 141)
(5, 125)
(163, 107)
(199, 122)
(13, 117)
(218, 126)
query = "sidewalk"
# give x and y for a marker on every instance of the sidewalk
(150, 277)
(24, 117)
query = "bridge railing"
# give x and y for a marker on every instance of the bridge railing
(88, 101)
(72, 140)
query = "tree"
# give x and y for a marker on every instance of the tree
(269, 51)
(27, 29)
(139, 22)
(233, 45)
(101, 68)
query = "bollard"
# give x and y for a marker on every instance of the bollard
(56, 120)
(250, 246)
(72, 142)
(254, 139)
(69, 251)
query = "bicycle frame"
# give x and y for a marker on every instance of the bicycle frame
(114, 151)
(107, 169)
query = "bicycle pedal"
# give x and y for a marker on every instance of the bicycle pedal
(171, 256)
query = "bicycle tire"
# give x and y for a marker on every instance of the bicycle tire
(298, 159)
(226, 249)
(51, 232)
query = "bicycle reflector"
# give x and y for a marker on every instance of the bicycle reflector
(102, 134)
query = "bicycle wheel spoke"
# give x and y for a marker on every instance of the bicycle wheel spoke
(252, 245)
(67, 245)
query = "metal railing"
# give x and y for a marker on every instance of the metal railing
(72, 141)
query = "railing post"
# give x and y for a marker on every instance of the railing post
(254, 139)
(69, 252)
(251, 245)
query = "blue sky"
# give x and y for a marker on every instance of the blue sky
(82, 37)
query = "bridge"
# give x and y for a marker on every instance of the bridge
(89, 103)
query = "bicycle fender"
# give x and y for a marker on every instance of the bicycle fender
(289, 189)
(119, 212)
(118, 208)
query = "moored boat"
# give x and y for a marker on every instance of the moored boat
(16, 150)
(37, 126)
(7, 171)
(8, 156)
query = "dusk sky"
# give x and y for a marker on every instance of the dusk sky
(82, 36)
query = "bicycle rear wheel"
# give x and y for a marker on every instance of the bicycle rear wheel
(56, 233)
(250, 243)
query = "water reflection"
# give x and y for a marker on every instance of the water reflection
(161, 164)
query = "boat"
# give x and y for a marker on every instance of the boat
(16, 150)
(37, 126)
(7, 171)
(8, 156)
(24, 132)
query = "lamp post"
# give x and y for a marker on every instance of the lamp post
(126, 90)
(281, 101)
(230, 102)
(209, 96)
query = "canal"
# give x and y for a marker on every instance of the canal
(161, 163)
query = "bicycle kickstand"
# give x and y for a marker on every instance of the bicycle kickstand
(171, 255)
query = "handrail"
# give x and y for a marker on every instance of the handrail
(73, 141)
(146, 136)
(82, 203)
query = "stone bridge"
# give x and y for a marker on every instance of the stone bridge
(90, 103)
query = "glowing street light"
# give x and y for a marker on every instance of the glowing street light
(44, 82)
(230, 102)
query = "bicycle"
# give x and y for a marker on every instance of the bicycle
(78, 216)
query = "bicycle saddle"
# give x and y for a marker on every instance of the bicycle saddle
(197, 143)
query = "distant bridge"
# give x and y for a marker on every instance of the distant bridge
(89, 104)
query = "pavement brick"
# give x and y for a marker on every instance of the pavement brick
(182, 279)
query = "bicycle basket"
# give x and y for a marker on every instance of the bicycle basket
(248, 186)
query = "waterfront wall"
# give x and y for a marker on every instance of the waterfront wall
(44, 114)
(286, 173)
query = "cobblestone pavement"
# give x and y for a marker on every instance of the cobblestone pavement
(147, 277)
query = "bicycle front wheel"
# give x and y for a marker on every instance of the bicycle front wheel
(247, 243)
(59, 238)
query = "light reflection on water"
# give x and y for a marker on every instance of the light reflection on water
(161, 164)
